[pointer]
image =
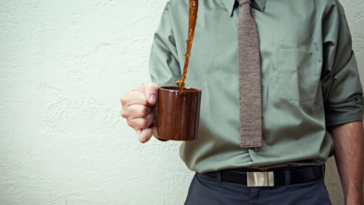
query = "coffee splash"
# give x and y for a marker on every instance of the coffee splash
(191, 33)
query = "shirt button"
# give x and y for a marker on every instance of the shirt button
(256, 149)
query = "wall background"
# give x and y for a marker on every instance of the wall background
(63, 67)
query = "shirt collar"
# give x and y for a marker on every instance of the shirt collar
(257, 4)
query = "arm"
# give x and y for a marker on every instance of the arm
(139, 105)
(164, 66)
(343, 101)
(349, 156)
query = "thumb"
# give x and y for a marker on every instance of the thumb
(151, 93)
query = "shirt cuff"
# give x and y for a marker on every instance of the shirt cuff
(336, 114)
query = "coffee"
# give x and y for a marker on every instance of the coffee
(191, 33)
(179, 107)
(178, 114)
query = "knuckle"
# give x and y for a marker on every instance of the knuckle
(122, 100)
(151, 85)
(129, 124)
(123, 114)
(154, 85)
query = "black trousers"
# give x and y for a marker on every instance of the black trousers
(205, 190)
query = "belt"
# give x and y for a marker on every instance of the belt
(271, 177)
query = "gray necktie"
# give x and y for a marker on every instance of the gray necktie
(249, 78)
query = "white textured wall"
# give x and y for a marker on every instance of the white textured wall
(63, 67)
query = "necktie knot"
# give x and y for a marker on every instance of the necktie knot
(241, 2)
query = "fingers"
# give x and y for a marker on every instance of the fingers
(137, 111)
(138, 107)
(151, 93)
(142, 123)
(142, 95)
(133, 97)
(145, 135)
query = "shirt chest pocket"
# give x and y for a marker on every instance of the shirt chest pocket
(297, 74)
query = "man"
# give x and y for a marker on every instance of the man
(311, 101)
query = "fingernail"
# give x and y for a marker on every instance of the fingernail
(152, 99)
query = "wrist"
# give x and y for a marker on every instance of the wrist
(354, 200)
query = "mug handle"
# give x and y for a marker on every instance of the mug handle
(154, 124)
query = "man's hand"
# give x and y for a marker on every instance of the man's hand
(139, 107)
(349, 156)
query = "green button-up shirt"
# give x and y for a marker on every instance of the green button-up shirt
(309, 79)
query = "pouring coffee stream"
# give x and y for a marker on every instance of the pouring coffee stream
(191, 33)
(179, 107)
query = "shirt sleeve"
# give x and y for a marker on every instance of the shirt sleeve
(341, 86)
(164, 66)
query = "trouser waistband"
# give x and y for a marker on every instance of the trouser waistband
(274, 177)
